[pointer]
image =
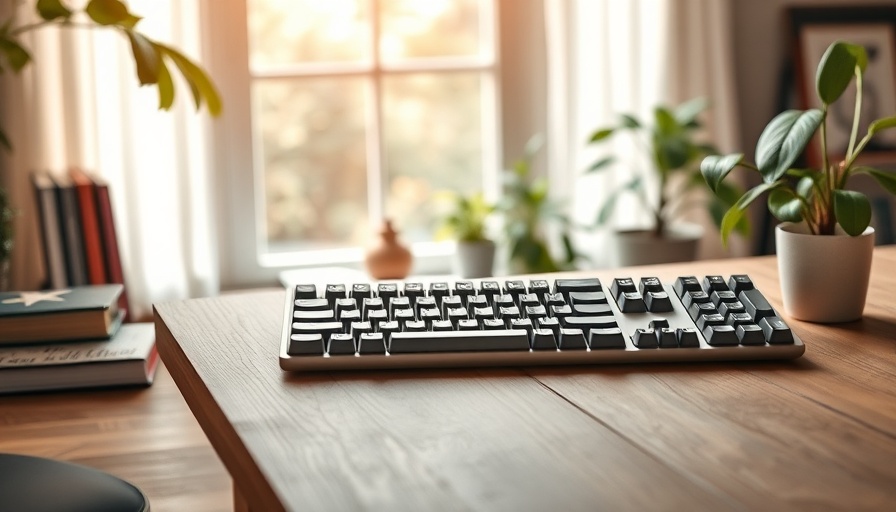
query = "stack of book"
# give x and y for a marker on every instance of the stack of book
(72, 338)
(78, 230)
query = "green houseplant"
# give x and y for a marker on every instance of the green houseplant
(669, 142)
(826, 226)
(530, 217)
(153, 60)
(6, 217)
(465, 222)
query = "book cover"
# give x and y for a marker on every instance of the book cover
(70, 220)
(114, 268)
(129, 358)
(51, 230)
(65, 314)
(94, 257)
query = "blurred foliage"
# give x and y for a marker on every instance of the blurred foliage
(466, 219)
(6, 216)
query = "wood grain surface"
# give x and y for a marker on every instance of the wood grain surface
(818, 433)
(145, 435)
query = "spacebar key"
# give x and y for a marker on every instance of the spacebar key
(458, 341)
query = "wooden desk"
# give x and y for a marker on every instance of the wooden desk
(815, 433)
(146, 436)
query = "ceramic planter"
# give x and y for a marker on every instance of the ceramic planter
(823, 278)
(474, 259)
(640, 247)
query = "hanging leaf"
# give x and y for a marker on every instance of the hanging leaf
(16, 55)
(629, 121)
(200, 84)
(166, 87)
(836, 69)
(784, 140)
(714, 168)
(785, 205)
(111, 12)
(601, 134)
(146, 57)
(736, 212)
(853, 211)
(50, 10)
(882, 124)
(687, 112)
(886, 179)
(601, 164)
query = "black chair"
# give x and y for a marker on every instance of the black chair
(34, 484)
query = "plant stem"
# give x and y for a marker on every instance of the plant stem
(856, 115)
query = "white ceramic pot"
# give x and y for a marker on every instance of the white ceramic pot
(474, 259)
(823, 278)
(640, 247)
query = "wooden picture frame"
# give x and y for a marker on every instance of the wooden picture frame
(812, 30)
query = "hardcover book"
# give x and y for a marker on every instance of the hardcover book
(50, 229)
(90, 226)
(80, 312)
(73, 238)
(129, 358)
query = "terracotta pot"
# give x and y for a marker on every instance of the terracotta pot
(823, 278)
(474, 259)
(387, 257)
(640, 247)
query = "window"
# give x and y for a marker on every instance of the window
(357, 110)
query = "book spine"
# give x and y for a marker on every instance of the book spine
(114, 269)
(69, 218)
(90, 227)
(51, 232)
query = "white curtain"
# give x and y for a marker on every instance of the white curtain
(607, 57)
(79, 104)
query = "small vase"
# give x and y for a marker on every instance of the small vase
(388, 258)
(824, 279)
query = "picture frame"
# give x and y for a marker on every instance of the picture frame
(812, 30)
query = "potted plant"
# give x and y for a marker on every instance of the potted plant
(6, 216)
(153, 60)
(530, 217)
(669, 143)
(825, 242)
(465, 222)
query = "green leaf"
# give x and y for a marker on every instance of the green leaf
(687, 112)
(882, 124)
(146, 57)
(853, 211)
(714, 168)
(886, 179)
(601, 134)
(200, 84)
(111, 12)
(52, 9)
(736, 213)
(726, 196)
(835, 70)
(166, 87)
(601, 164)
(784, 140)
(805, 186)
(666, 124)
(17, 56)
(533, 146)
(785, 205)
(630, 121)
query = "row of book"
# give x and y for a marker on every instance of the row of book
(72, 337)
(80, 245)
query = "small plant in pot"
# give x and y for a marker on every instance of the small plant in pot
(825, 242)
(670, 144)
(465, 222)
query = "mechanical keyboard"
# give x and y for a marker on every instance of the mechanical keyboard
(534, 322)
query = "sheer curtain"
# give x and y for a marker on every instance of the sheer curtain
(607, 57)
(79, 104)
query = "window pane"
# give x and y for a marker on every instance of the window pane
(293, 31)
(432, 141)
(313, 133)
(430, 28)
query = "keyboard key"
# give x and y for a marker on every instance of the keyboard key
(455, 315)
(403, 315)
(464, 290)
(438, 291)
(658, 302)
(776, 331)
(622, 285)
(658, 323)
(347, 318)
(591, 309)
(707, 320)
(543, 339)
(509, 313)
(361, 291)
(529, 300)
(387, 292)
(412, 326)
(644, 338)
(305, 291)
(687, 337)
(312, 304)
(536, 312)
(631, 302)
(345, 305)
(458, 341)
(371, 304)
(549, 323)
(735, 319)
(714, 284)
(503, 301)
(467, 324)
(520, 323)
(425, 303)
(740, 282)
(588, 322)
(333, 292)
(720, 335)
(428, 316)
(699, 309)
(539, 287)
(492, 324)
(571, 339)
(326, 315)
(561, 312)
(441, 325)
(755, 304)
(359, 328)
(372, 343)
(515, 288)
(489, 290)
(310, 344)
(413, 291)
(718, 297)
(666, 338)
(567, 286)
(587, 298)
(691, 298)
(686, 284)
(451, 302)
(650, 284)
(750, 334)
(606, 338)
(554, 299)
(341, 344)
(387, 329)
(727, 309)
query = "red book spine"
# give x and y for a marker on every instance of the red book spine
(90, 226)
(114, 269)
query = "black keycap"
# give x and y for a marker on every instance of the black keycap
(776, 331)
(425, 303)
(706, 320)
(539, 287)
(686, 284)
(359, 328)
(370, 304)
(481, 314)
(312, 304)
(476, 301)
(341, 345)
(691, 298)
(658, 302)
(326, 315)
(403, 315)
(413, 291)
(535, 312)
(606, 338)
(398, 303)
(467, 324)
(650, 284)
(438, 291)
(740, 282)
(489, 289)
(428, 316)
(503, 301)
(413, 326)
(687, 337)
(441, 326)
(666, 338)
(464, 290)
(492, 324)
(458, 341)
(509, 313)
(361, 291)
(622, 285)
(755, 304)
(345, 305)
(550, 323)
(347, 318)
(587, 298)
(387, 292)
(561, 312)
(588, 322)
(451, 302)
(309, 344)
(372, 343)
(567, 286)
(455, 315)
(529, 300)
(727, 309)
(543, 339)
(388, 328)
(644, 338)
(631, 302)
(702, 308)
(572, 339)
(658, 323)
(735, 319)
(591, 309)
(718, 297)
(305, 291)
(515, 288)
(520, 323)
(720, 335)
(333, 292)
(554, 299)
(714, 284)
(750, 334)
